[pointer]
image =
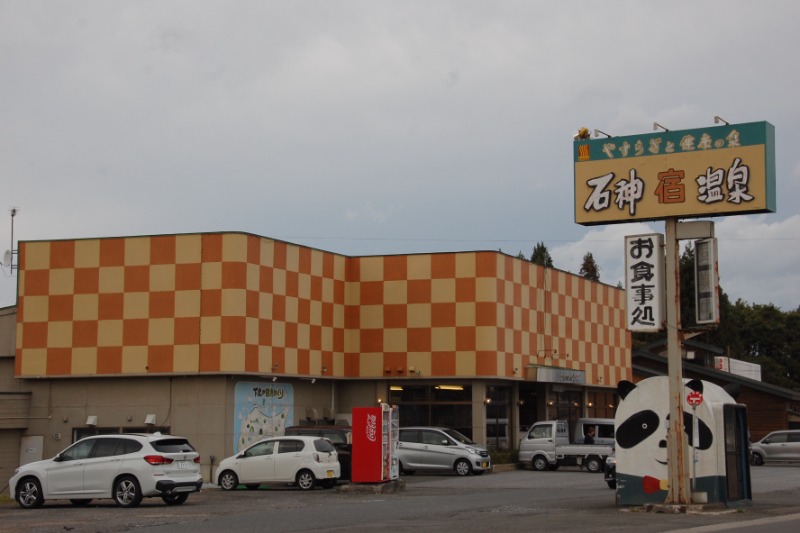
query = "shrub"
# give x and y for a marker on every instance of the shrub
(501, 457)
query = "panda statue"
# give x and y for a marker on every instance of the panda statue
(642, 423)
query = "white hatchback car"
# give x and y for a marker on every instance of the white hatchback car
(125, 467)
(304, 461)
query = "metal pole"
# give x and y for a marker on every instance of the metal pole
(676, 451)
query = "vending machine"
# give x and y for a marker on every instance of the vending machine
(374, 454)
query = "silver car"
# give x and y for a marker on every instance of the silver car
(436, 448)
(777, 446)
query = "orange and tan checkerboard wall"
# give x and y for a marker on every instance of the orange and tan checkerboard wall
(233, 302)
(480, 314)
(179, 304)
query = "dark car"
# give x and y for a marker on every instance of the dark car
(610, 471)
(340, 436)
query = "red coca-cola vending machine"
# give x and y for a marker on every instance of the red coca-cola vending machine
(374, 453)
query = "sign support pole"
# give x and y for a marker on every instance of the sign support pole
(678, 493)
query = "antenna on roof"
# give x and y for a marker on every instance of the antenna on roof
(8, 255)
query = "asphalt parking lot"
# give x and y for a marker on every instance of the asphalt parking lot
(564, 500)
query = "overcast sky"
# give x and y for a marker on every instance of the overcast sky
(380, 127)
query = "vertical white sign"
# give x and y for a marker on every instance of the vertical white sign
(706, 281)
(644, 282)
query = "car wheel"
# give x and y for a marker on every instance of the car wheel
(758, 460)
(176, 498)
(127, 492)
(594, 464)
(29, 493)
(80, 503)
(462, 467)
(328, 483)
(305, 480)
(612, 484)
(228, 480)
(540, 463)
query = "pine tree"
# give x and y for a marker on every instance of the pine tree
(589, 268)
(541, 256)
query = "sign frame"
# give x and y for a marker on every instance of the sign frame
(702, 172)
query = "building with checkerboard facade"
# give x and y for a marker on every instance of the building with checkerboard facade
(189, 331)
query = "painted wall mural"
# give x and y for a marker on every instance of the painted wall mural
(262, 410)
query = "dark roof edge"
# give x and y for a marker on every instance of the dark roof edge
(789, 394)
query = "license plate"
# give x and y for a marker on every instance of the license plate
(485, 465)
(183, 465)
(329, 473)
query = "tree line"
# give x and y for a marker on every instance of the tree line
(757, 333)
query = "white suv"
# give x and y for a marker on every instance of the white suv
(125, 467)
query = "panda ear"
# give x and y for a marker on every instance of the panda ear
(696, 385)
(624, 388)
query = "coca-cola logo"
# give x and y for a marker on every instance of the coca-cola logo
(372, 427)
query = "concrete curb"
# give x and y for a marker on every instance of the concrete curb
(506, 467)
(387, 487)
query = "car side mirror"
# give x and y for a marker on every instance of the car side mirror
(58, 458)
(767, 441)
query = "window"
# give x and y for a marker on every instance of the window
(128, 446)
(81, 450)
(289, 446)
(105, 447)
(172, 446)
(776, 438)
(322, 445)
(542, 432)
(434, 437)
(445, 405)
(409, 435)
(262, 448)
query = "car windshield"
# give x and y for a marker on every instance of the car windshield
(452, 433)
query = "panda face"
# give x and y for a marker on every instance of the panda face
(642, 425)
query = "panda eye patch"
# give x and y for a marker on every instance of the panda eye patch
(636, 429)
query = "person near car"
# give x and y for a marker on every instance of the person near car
(589, 437)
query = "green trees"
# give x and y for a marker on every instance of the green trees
(541, 255)
(757, 333)
(589, 268)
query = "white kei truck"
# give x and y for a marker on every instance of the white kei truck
(546, 446)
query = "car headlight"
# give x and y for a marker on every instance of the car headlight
(473, 451)
(611, 460)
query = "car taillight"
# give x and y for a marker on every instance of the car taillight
(197, 459)
(157, 460)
